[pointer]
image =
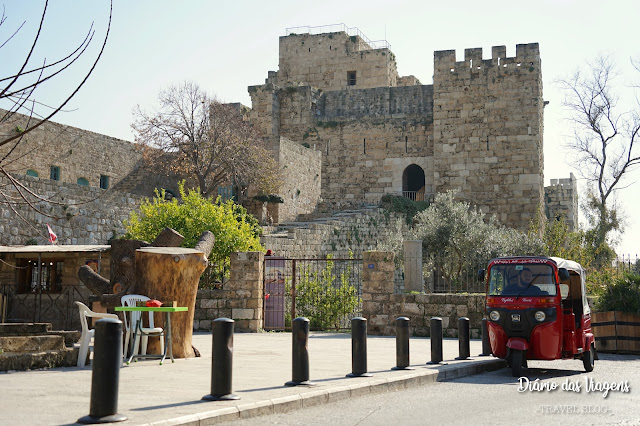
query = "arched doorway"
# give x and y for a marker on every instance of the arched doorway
(413, 183)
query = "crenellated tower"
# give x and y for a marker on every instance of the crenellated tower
(488, 126)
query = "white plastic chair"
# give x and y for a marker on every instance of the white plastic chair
(87, 333)
(130, 300)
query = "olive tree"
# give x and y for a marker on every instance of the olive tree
(456, 235)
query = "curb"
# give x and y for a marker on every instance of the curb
(409, 379)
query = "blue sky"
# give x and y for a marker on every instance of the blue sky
(227, 46)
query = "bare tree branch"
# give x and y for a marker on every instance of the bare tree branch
(604, 139)
(193, 135)
(19, 90)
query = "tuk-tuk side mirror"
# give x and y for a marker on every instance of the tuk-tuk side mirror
(563, 274)
(481, 273)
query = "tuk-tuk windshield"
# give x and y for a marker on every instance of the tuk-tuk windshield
(521, 279)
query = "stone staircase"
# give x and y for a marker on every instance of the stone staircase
(341, 234)
(306, 221)
(29, 346)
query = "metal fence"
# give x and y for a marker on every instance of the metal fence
(628, 263)
(213, 277)
(334, 28)
(326, 291)
(445, 275)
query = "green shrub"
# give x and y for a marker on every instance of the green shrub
(325, 297)
(403, 205)
(233, 228)
(623, 295)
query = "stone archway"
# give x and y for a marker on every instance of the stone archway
(413, 182)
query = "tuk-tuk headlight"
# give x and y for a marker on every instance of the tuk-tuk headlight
(494, 315)
(540, 316)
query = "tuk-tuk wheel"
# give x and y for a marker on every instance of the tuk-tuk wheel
(517, 363)
(588, 359)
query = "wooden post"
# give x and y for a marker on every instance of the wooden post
(171, 274)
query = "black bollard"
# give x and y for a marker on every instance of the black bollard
(486, 344)
(402, 344)
(463, 338)
(359, 348)
(105, 374)
(300, 354)
(222, 361)
(436, 341)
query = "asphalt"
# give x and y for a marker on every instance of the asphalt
(171, 394)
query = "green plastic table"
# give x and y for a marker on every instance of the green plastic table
(168, 310)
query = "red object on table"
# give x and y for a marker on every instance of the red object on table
(153, 303)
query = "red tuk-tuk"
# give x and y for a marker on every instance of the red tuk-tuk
(537, 310)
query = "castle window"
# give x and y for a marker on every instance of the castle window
(32, 172)
(55, 173)
(351, 78)
(226, 193)
(82, 181)
(104, 182)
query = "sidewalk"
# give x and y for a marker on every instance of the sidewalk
(170, 394)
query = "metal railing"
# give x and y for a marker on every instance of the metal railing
(418, 195)
(55, 308)
(446, 276)
(335, 28)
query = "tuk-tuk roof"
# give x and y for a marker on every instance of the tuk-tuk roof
(568, 264)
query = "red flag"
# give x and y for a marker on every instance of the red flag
(53, 238)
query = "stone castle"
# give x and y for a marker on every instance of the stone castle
(346, 128)
(477, 129)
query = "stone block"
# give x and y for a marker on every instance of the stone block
(412, 309)
(462, 311)
(380, 320)
(242, 314)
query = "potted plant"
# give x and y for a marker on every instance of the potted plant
(616, 322)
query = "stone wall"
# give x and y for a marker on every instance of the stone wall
(78, 153)
(241, 300)
(300, 190)
(338, 235)
(381, 102)
(302, 174)
(97, 219)
(561, 200)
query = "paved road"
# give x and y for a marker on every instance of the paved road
(494, 398)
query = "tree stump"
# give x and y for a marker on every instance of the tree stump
(171, 274)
